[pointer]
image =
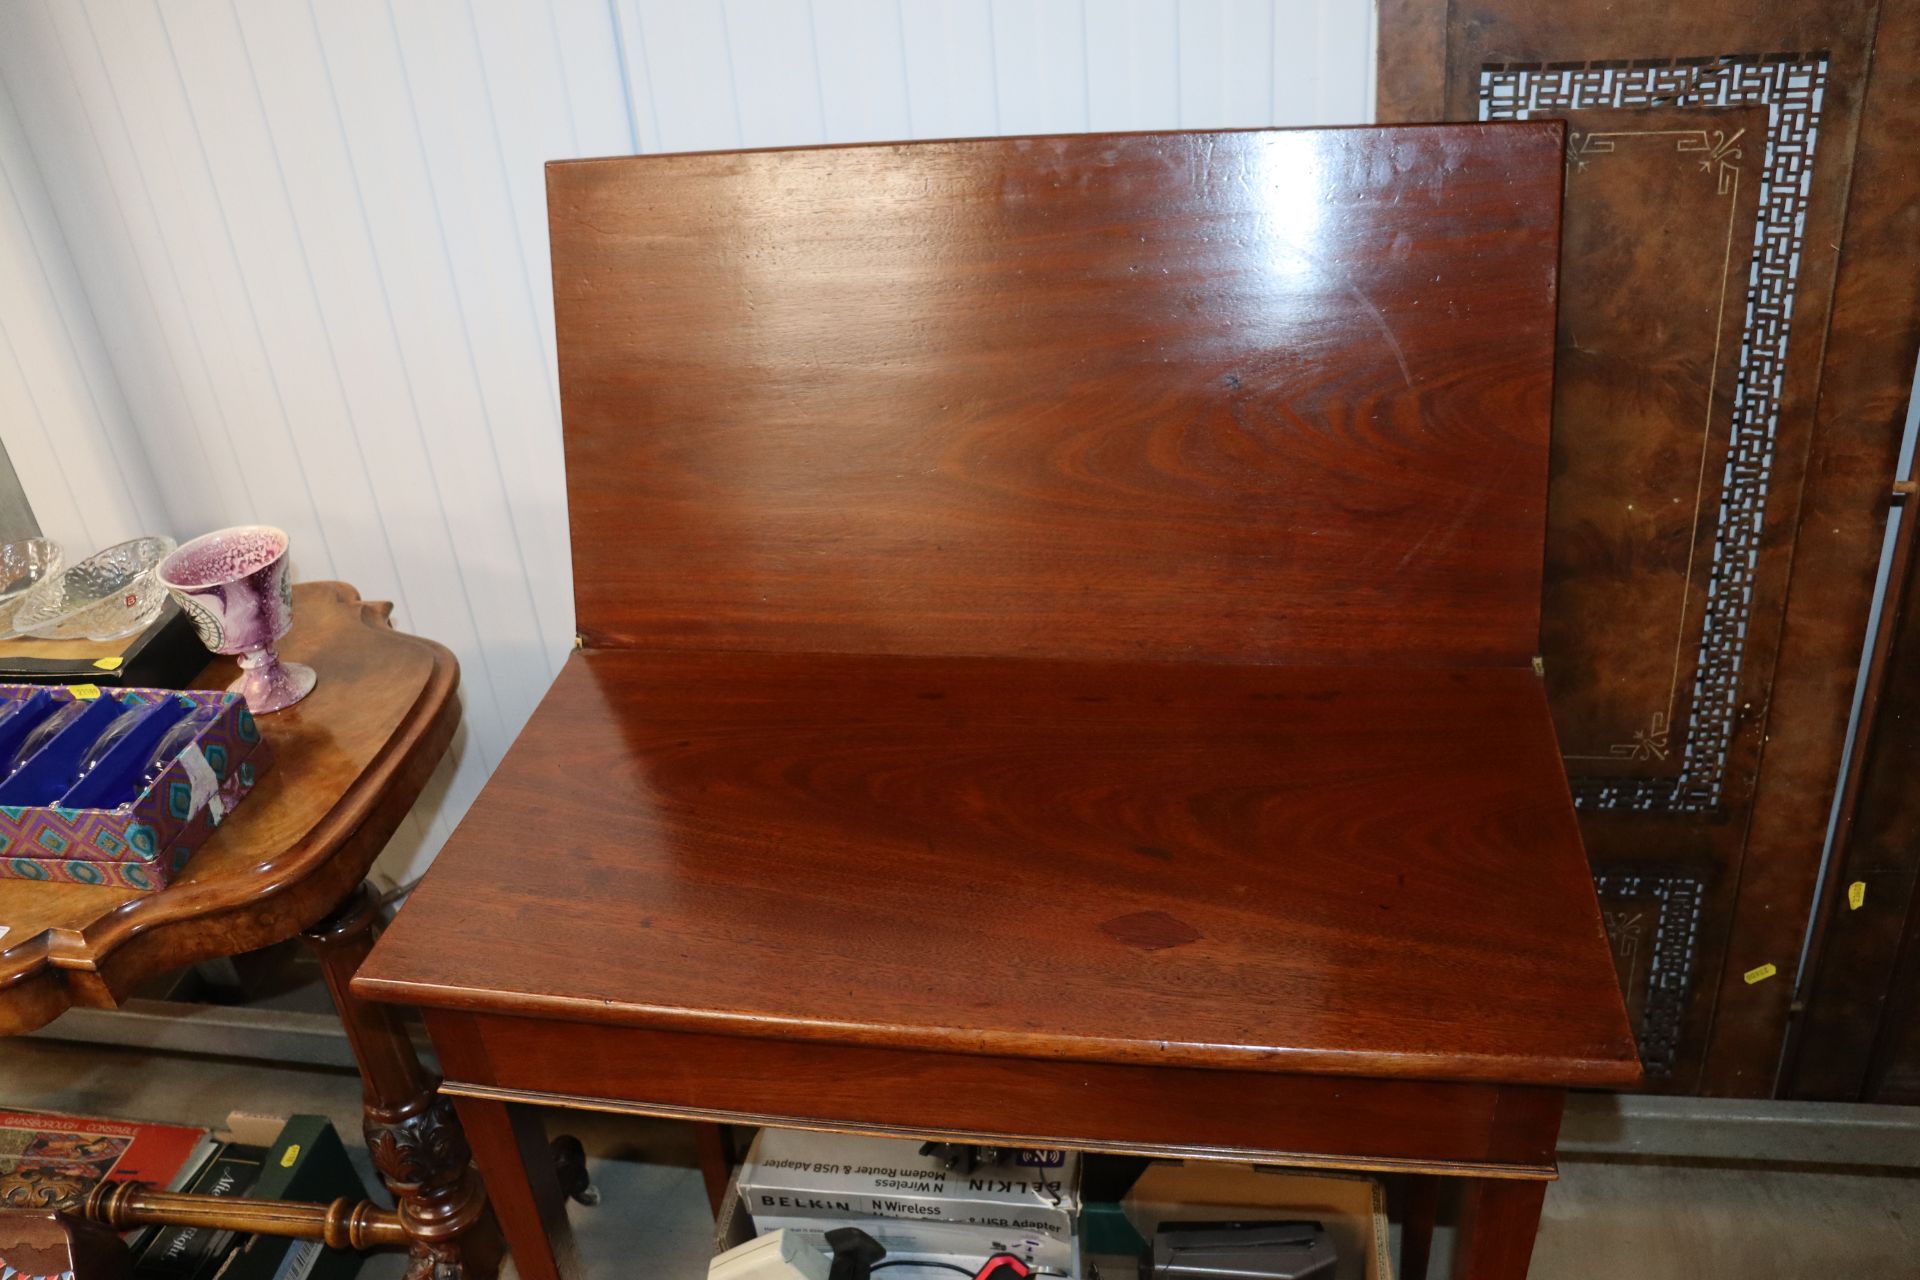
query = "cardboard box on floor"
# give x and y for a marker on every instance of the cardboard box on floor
(1024, 1204)
(1352, 1208)
(733, 1226)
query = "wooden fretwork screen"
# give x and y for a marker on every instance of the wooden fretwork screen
(1736, 335)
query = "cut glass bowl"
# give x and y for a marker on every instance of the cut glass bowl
(24, 565)
(110, 594)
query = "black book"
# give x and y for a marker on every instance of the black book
(306, 1162)
(167, 655)
(184, 1253)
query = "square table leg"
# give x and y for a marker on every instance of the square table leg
(510, 1142)
(1416, 1236)
(1498, 1220)
(714, 1145)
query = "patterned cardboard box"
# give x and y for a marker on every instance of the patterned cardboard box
(144, 843)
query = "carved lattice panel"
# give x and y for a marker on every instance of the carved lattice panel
(1733, 274)
(1724, 430)
(1645, 391)
(1653, 925)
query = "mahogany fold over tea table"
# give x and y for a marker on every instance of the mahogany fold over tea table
(1057, 621)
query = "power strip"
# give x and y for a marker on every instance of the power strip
(774, 1256)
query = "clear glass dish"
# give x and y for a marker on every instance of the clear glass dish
(110, 594)
(24, 565)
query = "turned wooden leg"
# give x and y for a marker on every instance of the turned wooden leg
(511, 1144)
(1416, 1235)
(1498, 1219)
(412, 1131)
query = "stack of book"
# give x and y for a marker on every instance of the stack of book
(49, 1161)
(52, 1161)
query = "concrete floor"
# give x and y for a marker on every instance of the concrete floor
(1772, 1213)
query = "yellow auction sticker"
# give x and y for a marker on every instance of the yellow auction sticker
(84, 692)
(1759, 973)
(106, 664)
(1856, 895)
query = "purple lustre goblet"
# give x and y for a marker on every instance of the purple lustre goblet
(233, 585)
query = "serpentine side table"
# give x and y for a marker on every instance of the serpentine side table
(1057, 620)
(291, 860)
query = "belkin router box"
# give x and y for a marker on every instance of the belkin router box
(1026, 1202)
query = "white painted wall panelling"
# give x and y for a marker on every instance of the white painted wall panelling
(760, 73)
(66, 427)
(286, 260)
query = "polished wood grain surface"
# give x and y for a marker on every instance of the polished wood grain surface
(1370, 872)
(1265, 396)
(349, 762)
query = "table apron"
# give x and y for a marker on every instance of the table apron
(1474, 1130)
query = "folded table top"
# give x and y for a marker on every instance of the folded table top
(1273, 396)
(1068, 597)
